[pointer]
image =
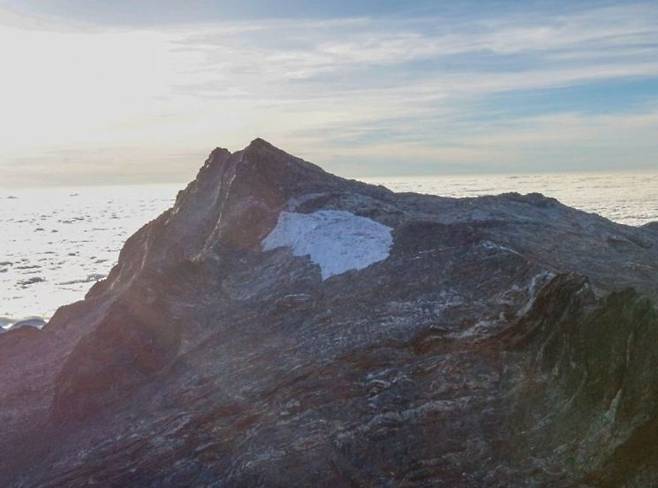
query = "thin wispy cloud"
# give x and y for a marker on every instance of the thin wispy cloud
(354, 93)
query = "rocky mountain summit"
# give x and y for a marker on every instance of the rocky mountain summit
(281, 326)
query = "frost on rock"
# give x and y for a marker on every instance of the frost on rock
(336, 240)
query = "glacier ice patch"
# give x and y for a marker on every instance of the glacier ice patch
(336, 240)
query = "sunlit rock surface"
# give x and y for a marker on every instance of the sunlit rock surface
(280, 326)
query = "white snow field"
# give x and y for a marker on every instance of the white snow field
(336, 240)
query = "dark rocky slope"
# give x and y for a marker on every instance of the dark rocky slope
(497, 344)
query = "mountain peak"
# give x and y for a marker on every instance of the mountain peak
(264, 153)
(276, 306)
(259, 143)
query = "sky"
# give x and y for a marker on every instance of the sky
(127, 91)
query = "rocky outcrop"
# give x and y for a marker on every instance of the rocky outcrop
(585, 401)
(281, 326)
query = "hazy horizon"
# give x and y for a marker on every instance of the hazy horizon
(179, 184)
(119, 93)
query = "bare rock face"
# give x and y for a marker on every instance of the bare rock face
(281, 326)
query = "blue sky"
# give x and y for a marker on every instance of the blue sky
(129, 91)
(157, 12)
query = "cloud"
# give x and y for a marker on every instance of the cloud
(343, 90)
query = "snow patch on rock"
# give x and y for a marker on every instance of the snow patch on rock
(336, 240)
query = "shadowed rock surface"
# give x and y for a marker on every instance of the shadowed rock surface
(504, 341)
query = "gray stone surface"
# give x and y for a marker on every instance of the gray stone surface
(499, 344)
